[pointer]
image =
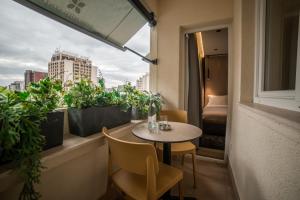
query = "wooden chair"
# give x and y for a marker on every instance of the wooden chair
(140, 176)
(182, 148)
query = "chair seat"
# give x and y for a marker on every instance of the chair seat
(134, 185)
(180, 148)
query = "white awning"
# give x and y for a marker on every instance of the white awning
(111, 21)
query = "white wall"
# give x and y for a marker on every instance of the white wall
(264, 149)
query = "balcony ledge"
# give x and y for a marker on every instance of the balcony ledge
(73, 147)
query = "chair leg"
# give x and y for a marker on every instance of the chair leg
(180, 190)
(182, 160)
(159, 155)
(194, 167)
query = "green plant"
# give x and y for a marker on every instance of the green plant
(46, 93)
(141, 99)
(21, 115)
(20, 138)
(110, 98)
(82, 95)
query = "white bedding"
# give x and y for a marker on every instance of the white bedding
(215, 113)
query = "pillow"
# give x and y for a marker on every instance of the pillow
(217, 100)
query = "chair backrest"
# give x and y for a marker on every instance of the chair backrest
(175, 115)
(131, 156)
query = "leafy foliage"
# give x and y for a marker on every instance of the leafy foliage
(46, 93)
(141, 99)
(82, 95)
(21, 114)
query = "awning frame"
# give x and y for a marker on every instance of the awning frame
(51, 15)
(149, 16)
(144, 58)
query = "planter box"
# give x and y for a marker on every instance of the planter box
(136, 114)
(53, 129)
(85, 122)
(113, 116)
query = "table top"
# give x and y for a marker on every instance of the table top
(180, 132)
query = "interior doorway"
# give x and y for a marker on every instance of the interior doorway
(212, 62)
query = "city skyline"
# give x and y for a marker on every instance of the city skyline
(28, 43)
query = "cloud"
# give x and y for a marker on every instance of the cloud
(28, 40)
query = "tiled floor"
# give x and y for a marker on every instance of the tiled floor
(213, 181)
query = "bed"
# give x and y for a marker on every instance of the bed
(214, 123)
(215, 114)
(216, 110)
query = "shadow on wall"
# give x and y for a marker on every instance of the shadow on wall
(252, 189)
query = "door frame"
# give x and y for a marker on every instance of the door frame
(184, 66)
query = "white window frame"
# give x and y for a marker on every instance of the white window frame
(286, 99)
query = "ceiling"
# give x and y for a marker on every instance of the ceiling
(215, 41)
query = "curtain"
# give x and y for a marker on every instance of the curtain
(195, 84)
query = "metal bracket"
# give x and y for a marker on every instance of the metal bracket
(154, 61)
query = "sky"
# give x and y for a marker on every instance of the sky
(28, 40)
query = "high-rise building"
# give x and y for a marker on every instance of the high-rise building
(70, 68)
(33, 76)
(143, 82)
(17, 86)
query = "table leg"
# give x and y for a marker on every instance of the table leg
(167, 153)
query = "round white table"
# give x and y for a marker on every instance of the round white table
(180, 132)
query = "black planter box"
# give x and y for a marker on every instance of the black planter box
(85, 122)
(113, 116)
(53, 129)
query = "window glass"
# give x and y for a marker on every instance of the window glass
(281, 44)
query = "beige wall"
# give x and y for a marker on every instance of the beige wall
(173, 17)
(76, 170)
(82, 177)
(264, 149)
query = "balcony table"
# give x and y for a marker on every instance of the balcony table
(180, 132)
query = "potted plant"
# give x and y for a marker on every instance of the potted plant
(140, 100)
(46, 94)
(115, 109)
(21, 140)
(82, 111)
(90, 108)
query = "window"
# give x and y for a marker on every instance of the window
(278, 54)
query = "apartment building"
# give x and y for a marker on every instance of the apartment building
(143, 82)
(33, 76)
(70, 68)
(17, 86)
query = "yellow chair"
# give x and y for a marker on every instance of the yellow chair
(140, 176)
(182, 148)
